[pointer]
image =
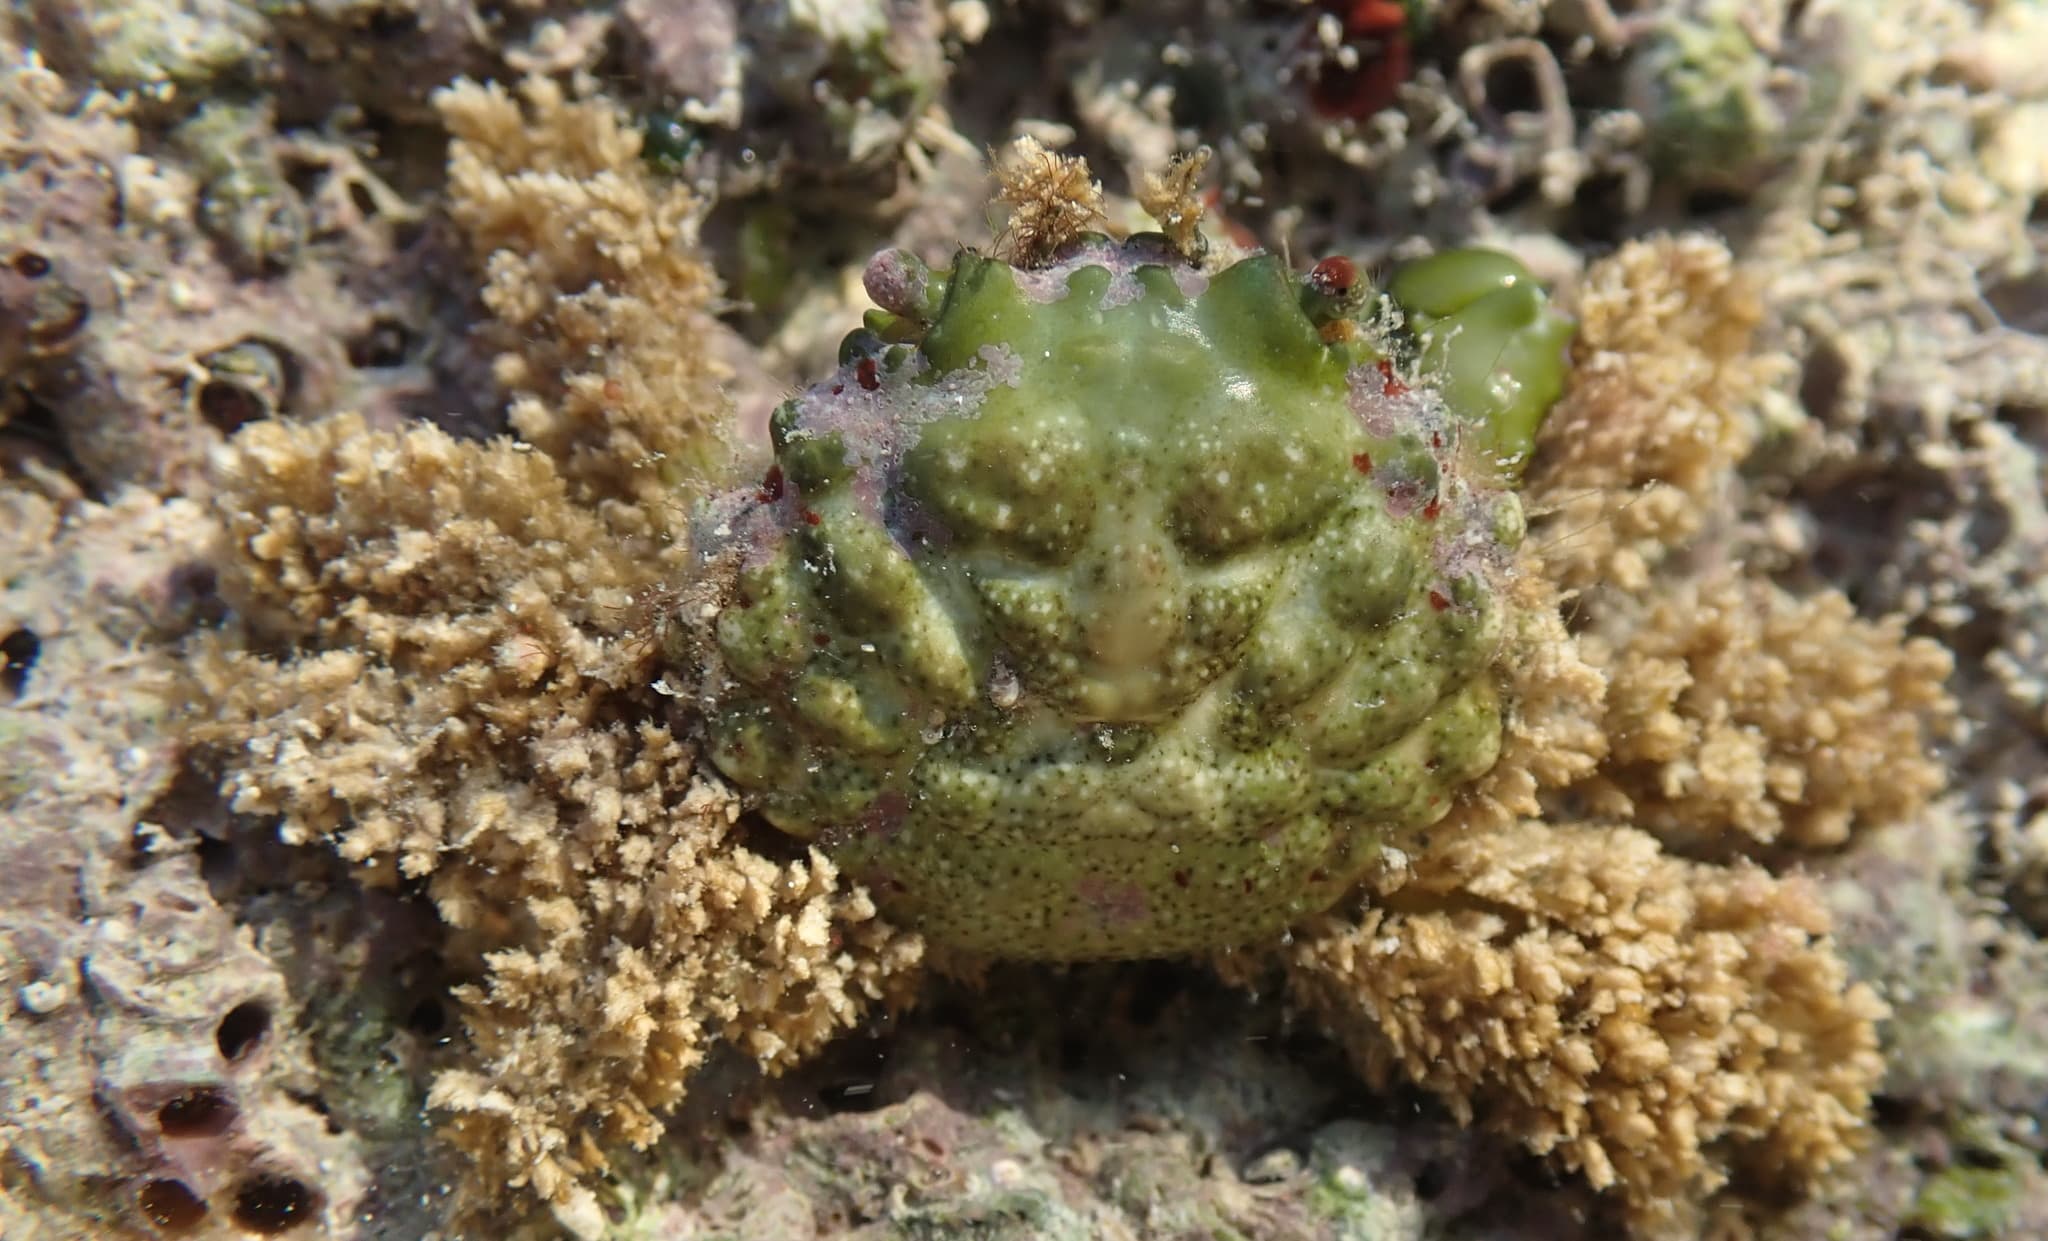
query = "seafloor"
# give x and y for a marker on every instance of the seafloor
(358, 878)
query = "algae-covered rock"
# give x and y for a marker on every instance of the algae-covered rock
(163, 46)
(1117, 607)
(1728, 88)
(1990, 1187)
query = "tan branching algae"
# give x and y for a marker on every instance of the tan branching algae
(476, 707)
(1664, 403)
(1739, 712)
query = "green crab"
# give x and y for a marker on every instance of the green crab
(1110, 606)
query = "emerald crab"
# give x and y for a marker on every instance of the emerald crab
(1109, 605)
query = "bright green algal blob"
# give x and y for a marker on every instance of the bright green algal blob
(1116, 609)
(1493, 340)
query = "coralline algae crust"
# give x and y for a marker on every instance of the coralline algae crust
(1111, 608)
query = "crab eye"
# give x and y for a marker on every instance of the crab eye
(1334, 276)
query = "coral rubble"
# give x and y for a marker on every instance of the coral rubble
(153, 1075)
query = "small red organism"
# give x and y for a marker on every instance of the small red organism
(1362, 462)
(1389, 384)
(1431, 509)
(771, 486)
(810, 518)
(1334, 276)
(1376, 31)
(867, 374)
(1439, 600)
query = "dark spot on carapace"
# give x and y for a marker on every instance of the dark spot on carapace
(31, 266)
